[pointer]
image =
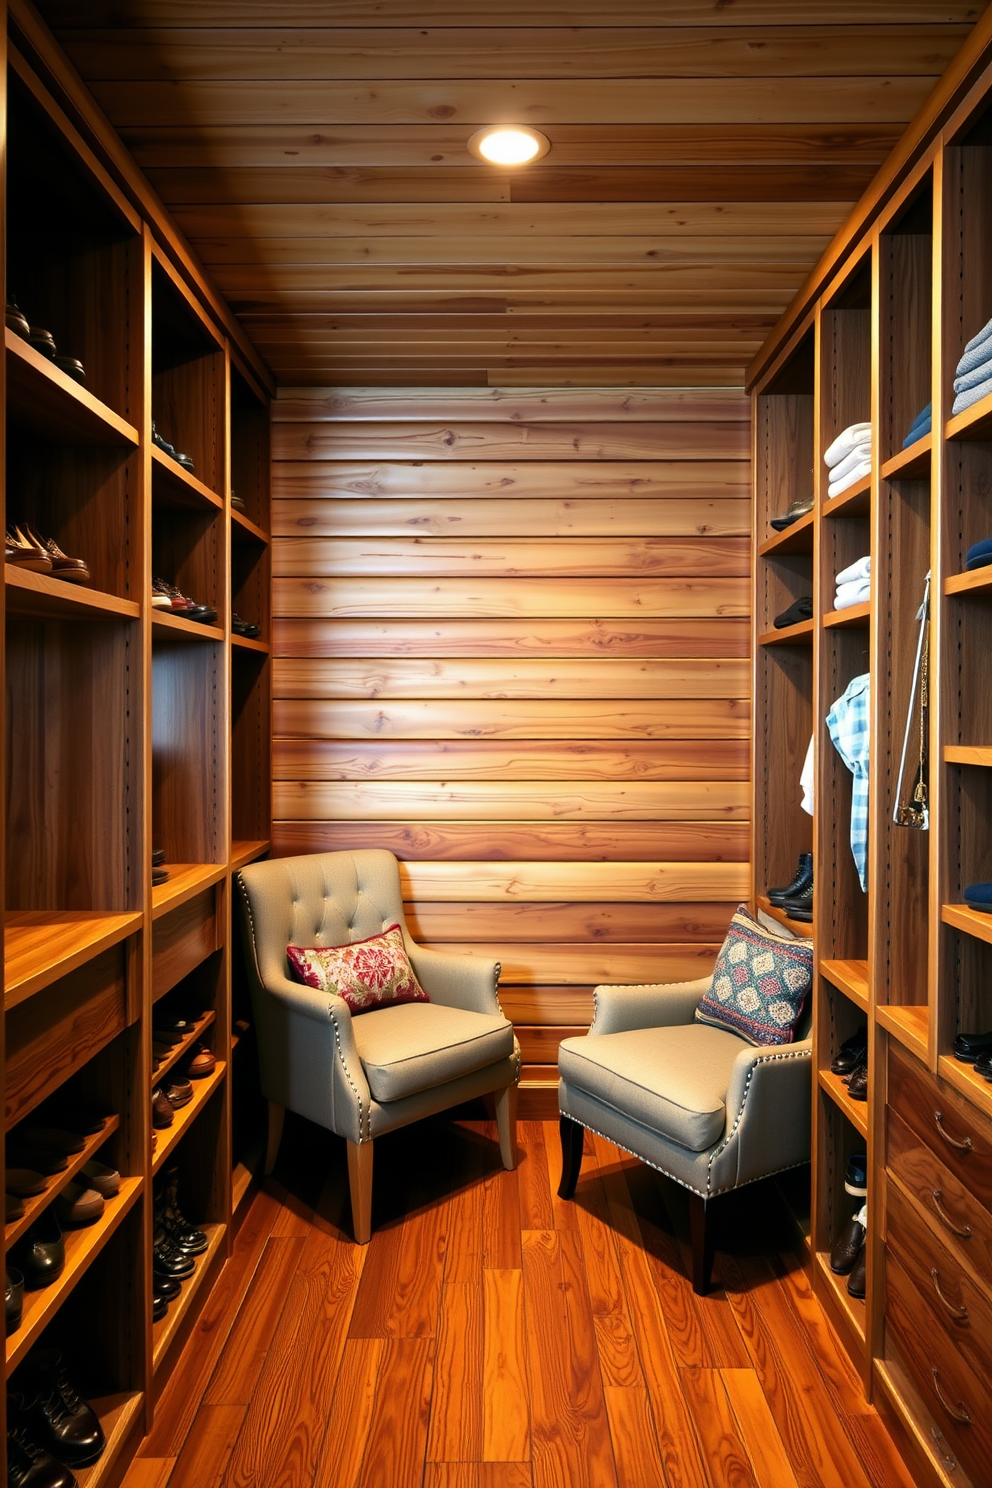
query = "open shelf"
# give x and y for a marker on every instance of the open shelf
(185, 880)
(244, 530)
(968, 754)
(172, 485)
(857, 617)
(802, 928)
(44, 399)
(908, 1024)
(48, 598)
(182, 1048)
(82, 1247)
(800, 634)
(245, 643)
(965, 1078)
(166, 1328)
(41, 945)
(168, 1137)
(243, 853)
(849, 977)
(856, 1112)
(973, 423)
(912, 463)
(971, 921)
(175, 628)
(851, 1308)
(58, 1181)
(796, 538)
(119, 1417)
(971, 581)
(854, 502)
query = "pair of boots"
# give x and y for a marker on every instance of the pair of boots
(50, 1427)
(796, 898)
(174, 1245)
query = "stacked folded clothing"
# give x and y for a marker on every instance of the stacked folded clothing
(919, 427)
(853, 584)
(849, 458)
(973, 376)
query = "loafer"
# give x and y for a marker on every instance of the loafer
(856, 1175)
(801, 880)
(177, 1091)
(29, 1465)
(971, 1046)
(796, 510)
(71, 570)
(852, 1052)
(78, 1205)
(857, 1084)
(202, 1062)
(857, 1282)
(67, 1425)
(801, 610)
(24, 1183)
(23, 553)
(162, 1113)
(13, 1298)
(40, 1254)
(848, 1244)
(105, 1180)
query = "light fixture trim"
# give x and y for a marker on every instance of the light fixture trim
(522, 133)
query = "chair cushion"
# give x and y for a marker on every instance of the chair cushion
(368, 973)
(416, 1046)
(760, 983)
(672, 1080)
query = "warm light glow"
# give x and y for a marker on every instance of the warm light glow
(509, 144)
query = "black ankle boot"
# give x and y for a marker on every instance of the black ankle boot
(802, 880)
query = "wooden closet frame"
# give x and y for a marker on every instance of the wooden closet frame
(126, 728)
(875, 334)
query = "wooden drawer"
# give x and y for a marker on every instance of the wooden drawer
(960, 1402)
(182, 939)
(964, 1224)
(944, 1120)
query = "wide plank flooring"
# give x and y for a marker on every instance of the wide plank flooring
(492, 1336)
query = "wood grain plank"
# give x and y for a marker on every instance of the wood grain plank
(635, 1444)
(727, 636)
(628, 883)
(398, 1430)
(727, 1459)
(477, 1475)
(596, 923)
(532, 1168)
(757, 1429)
(506, 1425)
(400, 1290)
(472, 800)
(395, 476)
(562, 842)
(321, 405)
(564, 965)
(327, 759)
(512, 441)
(501, 1222)
(241, 1364)
(436, 718)
(148, 1472)
(208, 1446)
(456, 1420)
(350, 1419)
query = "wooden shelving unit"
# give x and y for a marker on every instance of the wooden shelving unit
(129, 730)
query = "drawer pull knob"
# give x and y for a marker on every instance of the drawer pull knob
(956, 1312)
(964, 1146)
(963, 1230)
(957, 1412)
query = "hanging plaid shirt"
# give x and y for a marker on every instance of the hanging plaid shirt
(848, 722)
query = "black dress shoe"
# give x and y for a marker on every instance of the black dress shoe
(800, 906)
(40, 1254)
(160, 1306)
(13, 1299)
(852, 1052)
(983, 1067)
(29, 1465)
(796, 510)
(857, 1282)
(67, 1425)
(857, 1084)
(168, 1259)
(847, 1246)
(166, 1286)
(971, 1046)
(801, 610)
(184, 1236)
(801, 880)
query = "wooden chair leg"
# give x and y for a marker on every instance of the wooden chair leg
(572, 1138)
(506, 1125)
(360, 1183)
(277, 1115)
(701, 1227)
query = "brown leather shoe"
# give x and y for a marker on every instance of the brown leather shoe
(848, 1245)
(857, 1084)
(202, 1062)
(72, 570)
(177, 1091)
(22, 553)
(857, 1283)
(106, 1180)
(162, 1112)
(77, 1205)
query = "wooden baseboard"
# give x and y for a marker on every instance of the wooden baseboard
(538, 1102)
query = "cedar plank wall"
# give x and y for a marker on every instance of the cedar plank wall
(511, 638)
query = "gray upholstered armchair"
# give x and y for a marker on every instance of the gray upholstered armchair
(363, 1076)
(699, 1104)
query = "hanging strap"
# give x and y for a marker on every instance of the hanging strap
(915, 812)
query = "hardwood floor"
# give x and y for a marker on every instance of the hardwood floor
(493, 1336)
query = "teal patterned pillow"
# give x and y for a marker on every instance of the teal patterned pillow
(760, 983)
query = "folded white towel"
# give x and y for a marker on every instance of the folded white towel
(860, 452)
(858, 473)
(845, 442)
(858, 596)
(858, 587)
(859, 570)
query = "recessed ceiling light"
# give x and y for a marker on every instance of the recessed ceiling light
(509, 144)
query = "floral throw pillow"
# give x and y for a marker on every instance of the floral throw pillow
(368, 974)
(760, 983)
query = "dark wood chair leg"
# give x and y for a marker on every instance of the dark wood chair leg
(701, 1228)
(572, 1135)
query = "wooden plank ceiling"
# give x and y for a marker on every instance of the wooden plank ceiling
(703, 153)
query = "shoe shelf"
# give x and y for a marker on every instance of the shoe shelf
(968, 754)
(164, 1331)
(33, 1206)
(910, 1025)
(849, 977)
(244, 530)
(966, 1079)
(854, 502)
(972, 581)
(971, 921)
(41, 945)
(184, 882)
(43, 398)
(175, 628)
(168, 1137)
(856, 1112)
(800, 634)
(852, 1309)
(82, 1246)
(174, 486)
(243, 853)
(47, 598)
(974, 423)
(245, 643)
(120, 1415)
(857, 617)
(170, 1061)
(912, 463)
(796, 538)
(803, 928)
